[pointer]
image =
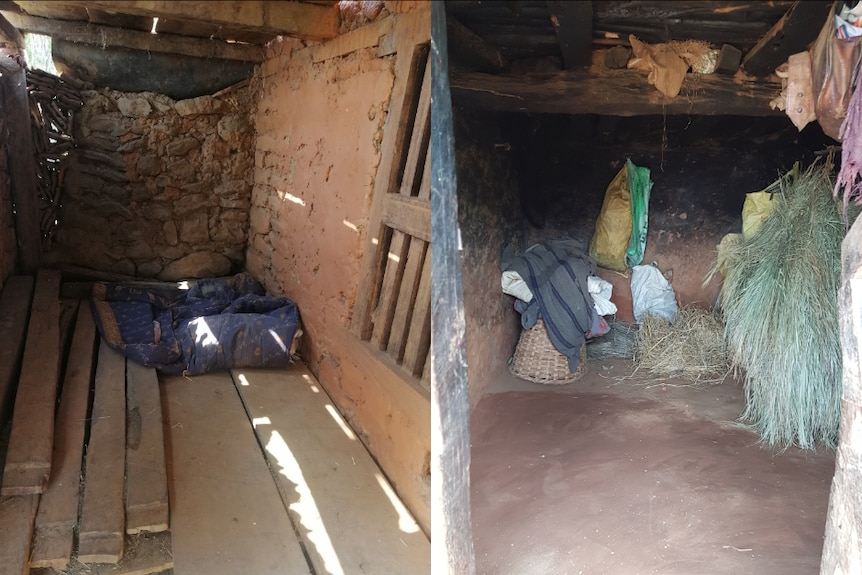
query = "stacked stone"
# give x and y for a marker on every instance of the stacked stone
(158, 188)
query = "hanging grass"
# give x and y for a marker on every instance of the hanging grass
(780, 305)
(692, 347)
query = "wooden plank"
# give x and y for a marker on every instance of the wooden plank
(102, 532)
(22, 165)
(306, 21)
(395, 261)
(573, 23)
(367, 36)
(28, 460)
(613, 93)
(58, 510)
(472, 50)
(148, 554)
(419, 139)
(146, 481)
(419, 335)
(406, 301)
(14, 310)
(452, 544)
(409, 215)
(412, 27)
(17, 514)
(337, 494)
(226, 514)
(110, 36)
(791, 34)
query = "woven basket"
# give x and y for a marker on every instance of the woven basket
(537, 360)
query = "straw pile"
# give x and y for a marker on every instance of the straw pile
(780, 304)
(692, 347)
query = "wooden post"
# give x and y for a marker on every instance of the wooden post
(22, 164)
(452, 544)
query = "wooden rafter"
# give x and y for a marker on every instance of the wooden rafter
(573, 23)
(796, 29)
(299, 19)
(611, 92)
(119, 37)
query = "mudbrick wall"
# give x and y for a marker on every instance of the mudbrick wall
(489, 218)
(319, 129)
(158, 188)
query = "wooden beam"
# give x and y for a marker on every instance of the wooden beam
(452, 544)
(102, 533)
(302, 20)
(22, 164)
(14, 310)
(28, 459)
(573, 23)
(58, 510)
(793, 33)
(612, 92)
(118, 37)
(472, 50)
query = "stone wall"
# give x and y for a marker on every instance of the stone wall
(319, 130)
(158, 188)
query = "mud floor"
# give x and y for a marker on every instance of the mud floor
(619, 476)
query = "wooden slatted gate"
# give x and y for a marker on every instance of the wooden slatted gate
(393, 310)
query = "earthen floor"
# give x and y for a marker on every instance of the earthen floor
(620, 476)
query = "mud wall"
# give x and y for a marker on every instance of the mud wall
(701, 167)
(842, 547)
(8, 248)
(158, 188)
(319, 129)
(489, 217)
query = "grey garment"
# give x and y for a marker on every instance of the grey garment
(556, 272)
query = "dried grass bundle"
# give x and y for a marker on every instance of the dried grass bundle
(780, 304)
(692, 347)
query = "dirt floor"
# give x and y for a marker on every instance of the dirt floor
(632, 476)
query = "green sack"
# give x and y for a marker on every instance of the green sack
(640, 186)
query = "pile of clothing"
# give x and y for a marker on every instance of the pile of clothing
(217, 323)
(555, 281)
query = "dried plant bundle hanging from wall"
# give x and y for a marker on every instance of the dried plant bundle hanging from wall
(779, 299)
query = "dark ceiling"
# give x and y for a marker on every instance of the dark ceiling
(498, 49)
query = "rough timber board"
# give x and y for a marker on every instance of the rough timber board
(102, 529)
(58, 509)
(28, 460)
(146, 482)
(226, 514)
(332, 482)
(16, 529)
(14, 308)
(147, 554)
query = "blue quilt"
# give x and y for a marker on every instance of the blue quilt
(216, 324)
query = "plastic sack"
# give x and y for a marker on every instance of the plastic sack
(652, 294)
(640, 186)
(513, 284)
(834, 62)
(614, 225)
(758, 206)
(601, 291)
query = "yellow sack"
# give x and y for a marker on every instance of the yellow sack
(614, 225)
(759, 206)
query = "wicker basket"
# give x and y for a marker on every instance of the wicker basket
(537, 360)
